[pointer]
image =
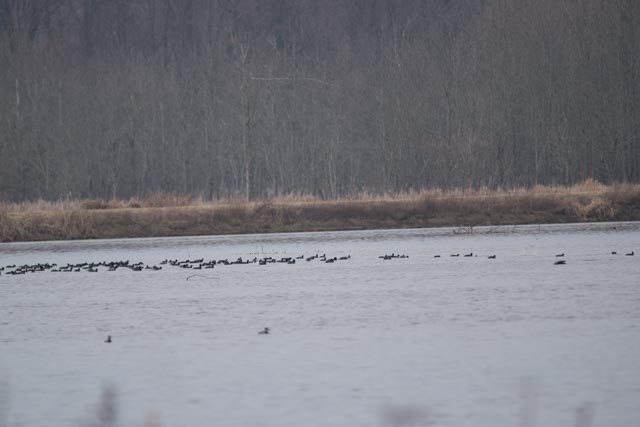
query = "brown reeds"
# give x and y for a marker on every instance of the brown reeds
(172, 215)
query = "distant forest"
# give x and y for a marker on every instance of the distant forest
(259, 98)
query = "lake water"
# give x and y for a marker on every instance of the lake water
(449, 341)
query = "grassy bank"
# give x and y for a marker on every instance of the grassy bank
(167, 215)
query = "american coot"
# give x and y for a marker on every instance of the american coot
(108, 338)
(265, 331)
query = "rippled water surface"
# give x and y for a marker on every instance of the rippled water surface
(449, 341)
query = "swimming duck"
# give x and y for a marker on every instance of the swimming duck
(108, 340)
(265, 331)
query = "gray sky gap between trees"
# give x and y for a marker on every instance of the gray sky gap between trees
(256, 98)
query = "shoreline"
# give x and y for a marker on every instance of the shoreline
(90, 219)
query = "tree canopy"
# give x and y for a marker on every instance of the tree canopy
(256, 98)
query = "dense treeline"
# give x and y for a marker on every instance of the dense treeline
(254, 98)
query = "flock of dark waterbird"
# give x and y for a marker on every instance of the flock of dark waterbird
(195, 264)
(564, 262)
(89, 267)
(200, 264)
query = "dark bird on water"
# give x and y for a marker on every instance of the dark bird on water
(265, 331)
(614, 253)
(108, 338)
(560, 255)
(562, 262)
(630, 254)
(492, 257)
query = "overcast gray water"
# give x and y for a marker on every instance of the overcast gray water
(449, 341)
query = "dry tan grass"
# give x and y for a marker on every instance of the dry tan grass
(169, 215)
(166, 200)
